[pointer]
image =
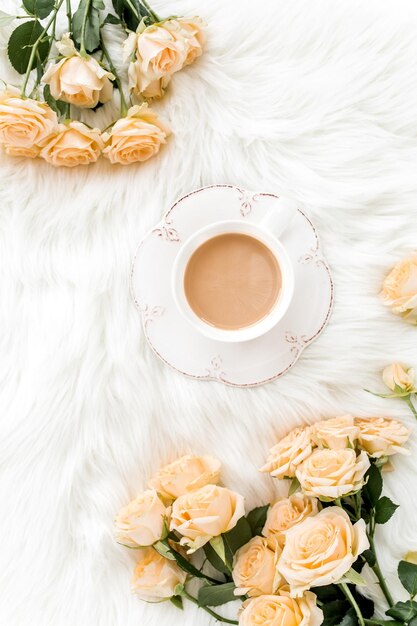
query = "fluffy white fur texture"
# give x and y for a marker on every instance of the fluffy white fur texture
(313, 100)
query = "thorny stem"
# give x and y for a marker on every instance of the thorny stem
(123, 103)
(152, 13)
(353, 602)
(410, 405)
(377, 570)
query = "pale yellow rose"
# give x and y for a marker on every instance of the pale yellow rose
(255, 567)
(281, 610)
(288, 453)
(141, 86)
(381, 436)
(186, 474)
(76, 79)
(136, 137)
(286, 513)
(321, 549)
(190, 29)
(24, 123)
(142, 522)
(336, 433)
(331, 474)
(399, 289)
(396, 375)
(74, 144)
(205, 513)
(155, 578)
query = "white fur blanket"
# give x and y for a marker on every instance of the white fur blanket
(314, 100)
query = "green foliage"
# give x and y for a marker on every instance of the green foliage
(129, 17)
(334, 612)
(407, 573)
(214, 559)
(177, 601)
(294, 486)
(38, 8)
(236, 538)
(403, 611)
(384, 510)
(87, 15)
(373, 488)
(214, 595)
(257, 519)
(112, 19)
(21, 43)
(58, 106)
(349, 618)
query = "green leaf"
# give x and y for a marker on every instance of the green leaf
(236, 538)
(328, 593)
(355, 578)
(5, 19)
(111, 19)
(90, 12)
(407, 573)
(349, 618)
(185, 565)
(257, 519)
(177, 601)
(403, 611)
(21, 42)
(373, 488)
(384, 510)
(214, 595)
(294, 486)
(214, 559)
(412, 622)
(334, 611)
(217, 544)
(58, 106)
(38, 8)
(129, 17)
(369, 557)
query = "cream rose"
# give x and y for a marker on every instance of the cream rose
(286, 513)
(142, 521)
(336, 433)
(399, 289)
(186, 474)
(254, 567)
(288, 453)
(76, 79)
(136, 137)
(321, 549)
(190, 30)
(74, 144)
(206, 513)
(155, 578)
(281, 610)
(140, 84)
(331, 474)
(396, 375)
(380, 436)
(24, 123)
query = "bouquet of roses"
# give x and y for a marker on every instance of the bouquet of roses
(62, 76)
(295, 561)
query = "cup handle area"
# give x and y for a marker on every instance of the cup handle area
(279, 218)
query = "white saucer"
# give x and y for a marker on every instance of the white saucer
(173, 338)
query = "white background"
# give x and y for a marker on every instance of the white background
(313, 100)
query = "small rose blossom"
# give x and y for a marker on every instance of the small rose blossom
(155, 578)
(396, 375)
(142, 521)
(24, 123)
(381, 436)
(288, 453)
(321, 549)
(189, 29)
(399, 289)
(136, 137)
(331, 474)
(336, 433)
(186, 474)
(79, 80)
(281, 610)
(205, 513)
(286, 513)
(74, 144)
(254, 567)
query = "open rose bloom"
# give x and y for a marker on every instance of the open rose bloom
(185, 474)
(399, 289)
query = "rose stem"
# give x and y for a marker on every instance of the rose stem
(133, 9)
(69, 16)
(377, 570)
(36, 45)
(123, 104)
(83, 51)
(209, 611)
(353, 602)
(410, 405)
(152, 13)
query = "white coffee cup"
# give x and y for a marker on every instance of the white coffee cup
(274, 221)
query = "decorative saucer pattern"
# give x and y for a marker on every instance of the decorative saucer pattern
(172, 337)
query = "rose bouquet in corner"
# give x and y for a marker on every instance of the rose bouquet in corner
(64, 75)
(295, 561)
